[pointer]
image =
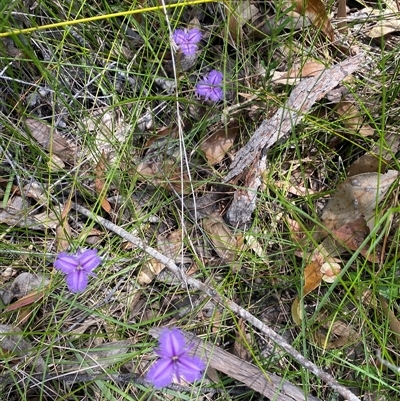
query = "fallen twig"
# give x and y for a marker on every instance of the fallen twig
(216, 297)
(38, 379)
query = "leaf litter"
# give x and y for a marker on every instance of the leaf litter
(206, 187)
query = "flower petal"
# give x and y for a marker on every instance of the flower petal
(179, 36)
(202, 88)
(215, 77)
(66, 263)
(161, 373)
(193, 36)
(188, 49)
(172, 343)
(88, 259)
(215, 94)
(190, 368)
(77, 281)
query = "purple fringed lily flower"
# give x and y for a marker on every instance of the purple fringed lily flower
(187, 40)
(77, 268)
(174, 361)
(210, 86)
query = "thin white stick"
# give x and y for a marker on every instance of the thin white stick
(216, 297)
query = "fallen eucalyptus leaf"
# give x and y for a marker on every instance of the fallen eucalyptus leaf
(50, 140)
(357, 196)
(315, 10)
(217, 145)
(225, 243)
(23, 284)
(170, 247)
(18, 213)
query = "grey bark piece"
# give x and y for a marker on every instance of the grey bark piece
(300, 101)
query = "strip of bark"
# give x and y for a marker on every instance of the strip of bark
(300, 101)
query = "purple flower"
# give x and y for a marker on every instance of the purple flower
(210, 86)
(174, 361)
(187, 40)
(77, 267)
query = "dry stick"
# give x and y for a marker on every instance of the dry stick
(38, 379)
(216, 297)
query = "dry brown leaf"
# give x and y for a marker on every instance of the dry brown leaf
(169, 246)
(323, 267)
(341, 15)
(170, 132)
(24, 306)
(388, 146)
(48, 219)
(26, 300)
(334, 247)
(291, 77)
(99, 182)
(344, 333)
(242, 338)
(296, 231)
(55, 163)
(148, 169)
(217, 145)
(384, 27)
(18, 213)
(149, 270)
(50, 140)
(394, 323)
(297, 190)
(63, 235)
(322, 255)
(166, 174)
(243, 14)
(110, 129)
(312, 277)
(309, 69)
(315, 10)
(356, 197)
(367, 163)
(250, 242)
(35, 191)
(351, 117)
(351, 235)
(24, 284)
(330, 271)
(297, 314)
(225, 243)
(63, 230)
